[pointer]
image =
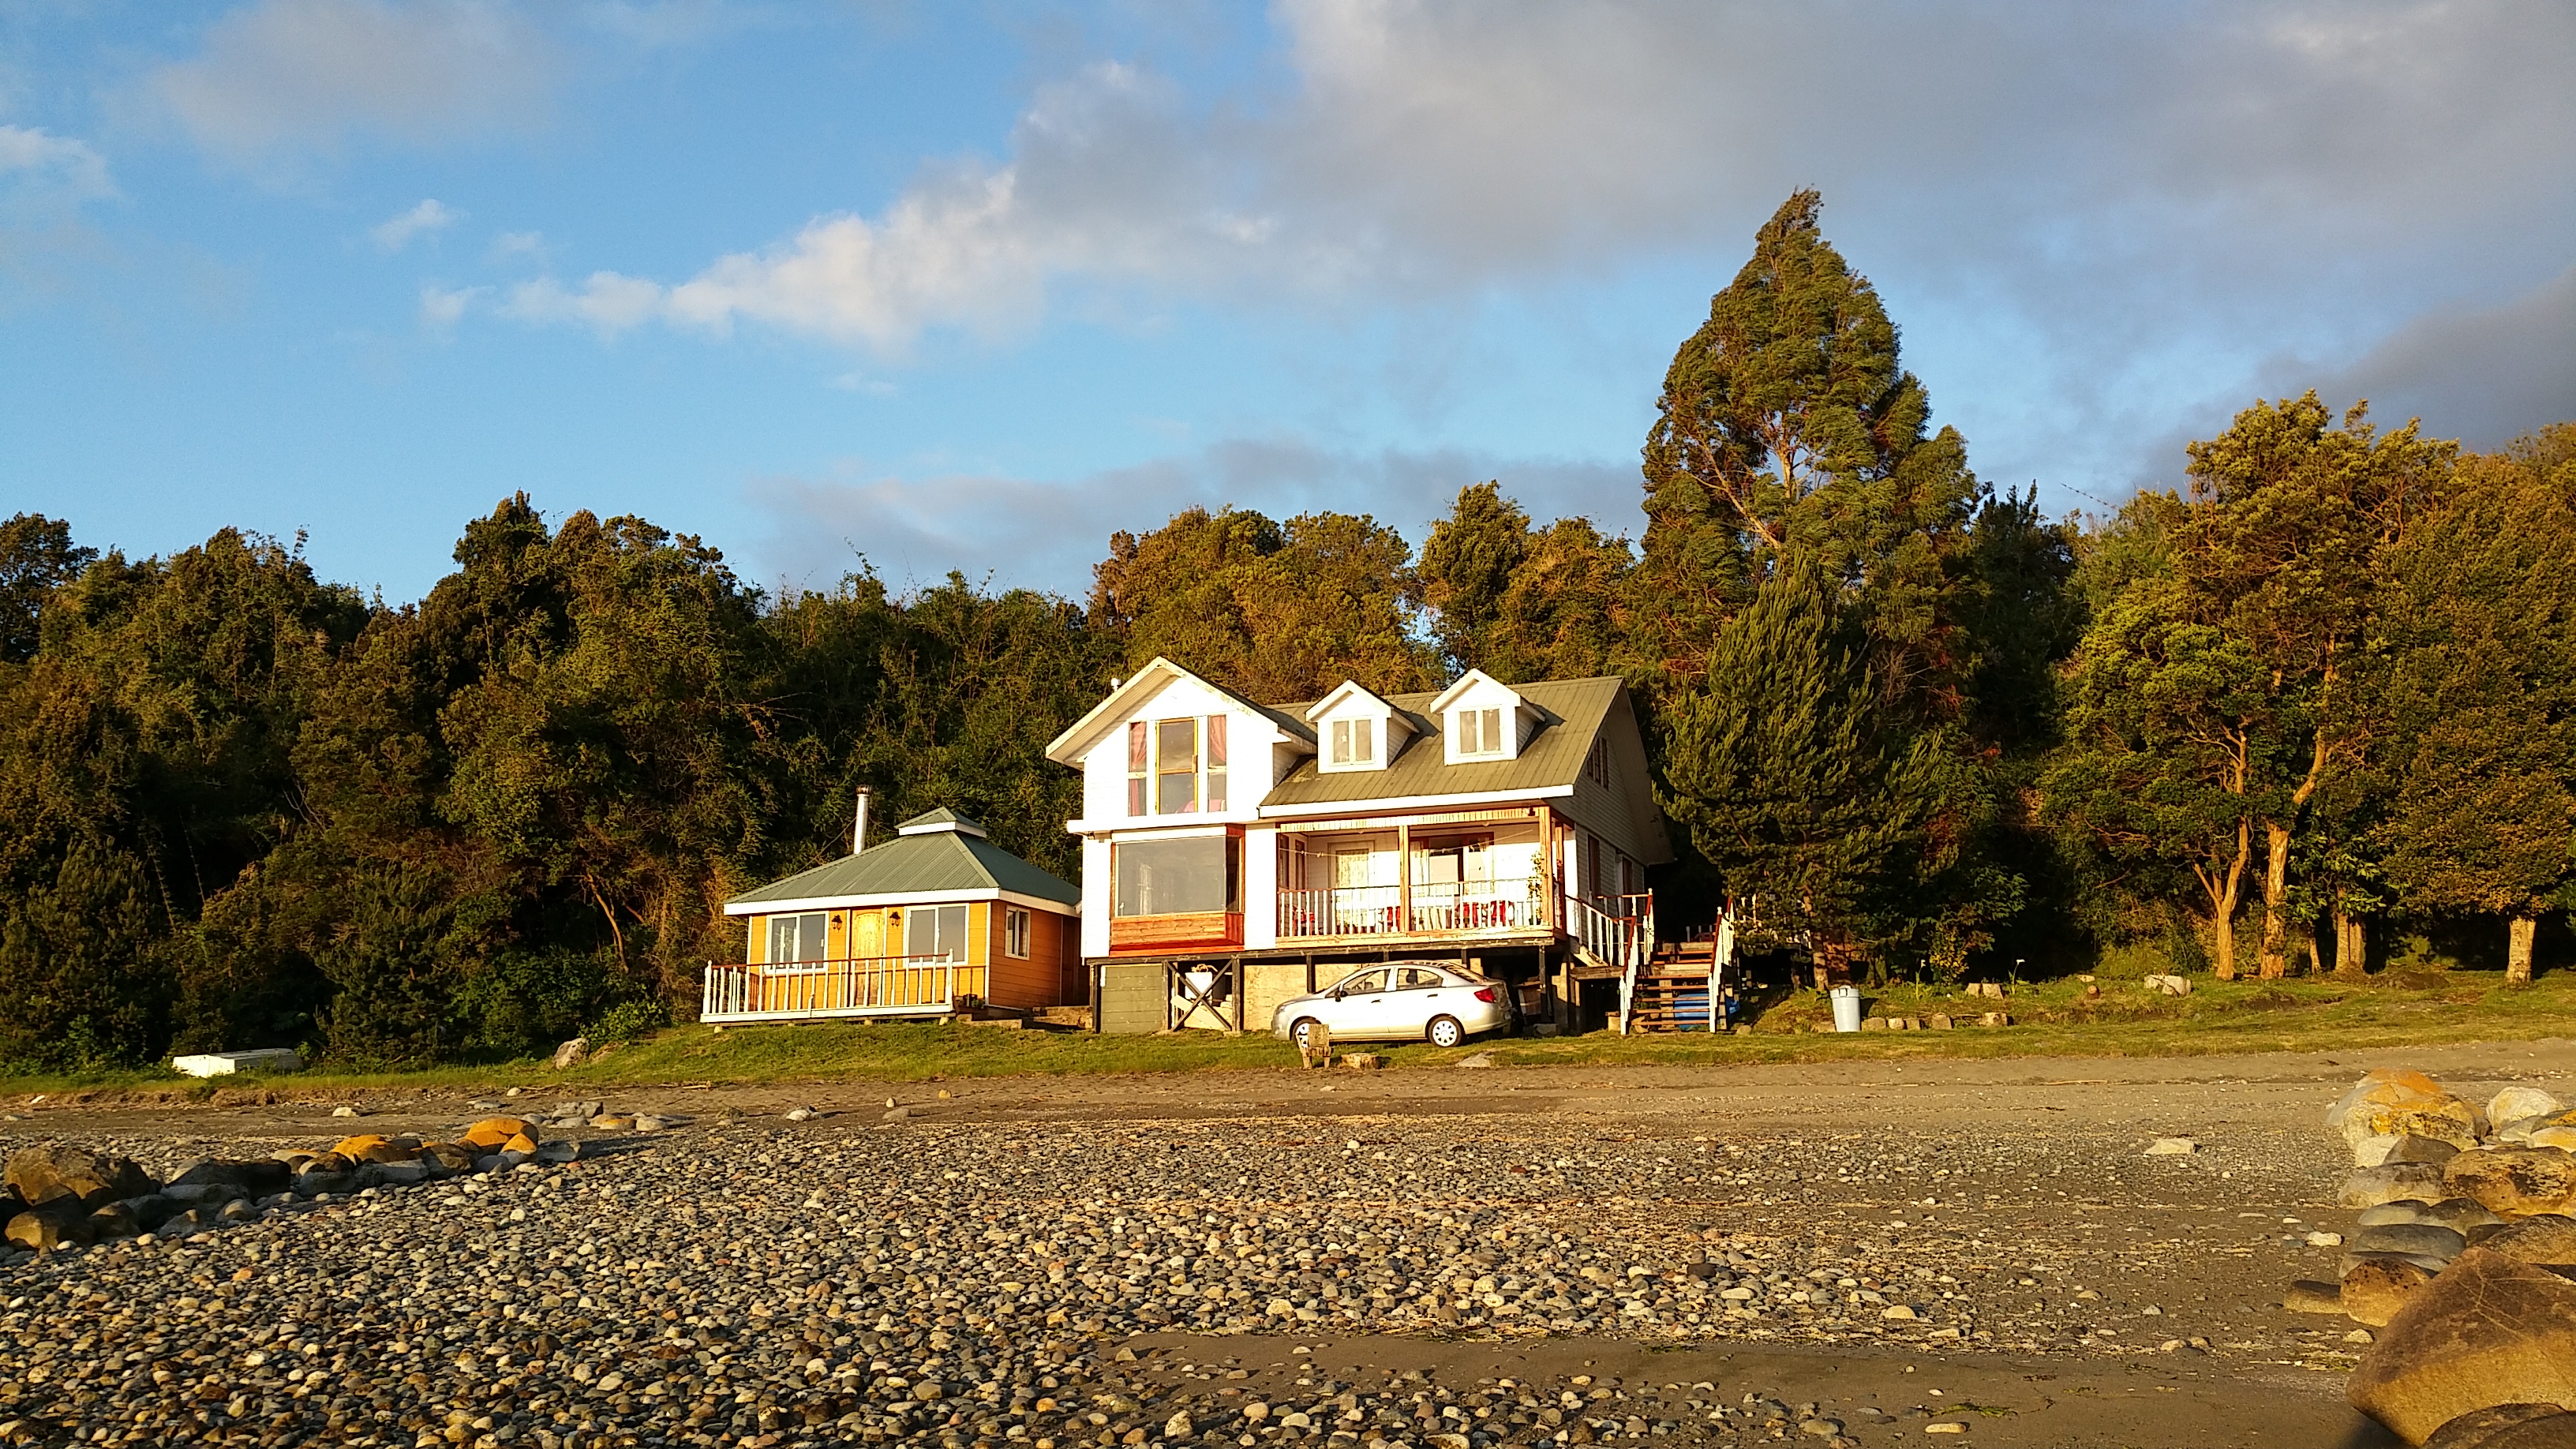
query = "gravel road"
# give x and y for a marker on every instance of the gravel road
(1556, 1256)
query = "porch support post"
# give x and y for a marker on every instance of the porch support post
(1404, 877)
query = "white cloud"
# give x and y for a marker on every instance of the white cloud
(395, 232)
(57, 165)
(606, 301)
(2110, 217)
(512, 246)
(915, 528)
(441, 308)
(282, 77)
(1456, 145)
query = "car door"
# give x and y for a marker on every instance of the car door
(1358, 1007)
(1418, 994)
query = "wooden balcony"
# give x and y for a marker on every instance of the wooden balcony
(1436, 910)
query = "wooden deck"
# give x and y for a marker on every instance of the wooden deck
(830, 990)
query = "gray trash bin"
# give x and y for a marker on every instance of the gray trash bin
(1846, 1001)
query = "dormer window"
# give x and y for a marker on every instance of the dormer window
(1483, 718)
(1354, 742)
(1356, 730)
(1479, 732)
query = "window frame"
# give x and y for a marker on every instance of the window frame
(1015, 932)
(1165, 775)
(1140, 767)
(797, 922)
(1354, 742)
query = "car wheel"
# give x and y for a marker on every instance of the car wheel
(1446, 1032)
(1303, 1033)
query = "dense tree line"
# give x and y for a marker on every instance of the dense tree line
(1909, 721)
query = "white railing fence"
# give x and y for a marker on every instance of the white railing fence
(1510, 904)
(868, 986)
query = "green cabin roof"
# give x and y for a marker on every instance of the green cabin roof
(934, 853)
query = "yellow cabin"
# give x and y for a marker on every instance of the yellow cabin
(935, 922)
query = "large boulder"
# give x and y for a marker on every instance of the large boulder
(255, 1176)
(492, 1132)
(2541, 1238)
(40, 1175)
(55, 1223)
(2421, 1240)
(2391, 1103)
(2394, 1182)
(2508, 1426)
(2514, 1182)
(2488, 1331)
(2374, 1289)
(2515, 1104)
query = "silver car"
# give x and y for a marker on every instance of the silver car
(1399, 1001)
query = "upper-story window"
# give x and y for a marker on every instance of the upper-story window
(1176, 766)
(1479, 731)
(1216, 762)
(1596, 761)
(1355, 742)
(1139, 762)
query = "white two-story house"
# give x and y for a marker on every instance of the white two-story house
(1236, 854)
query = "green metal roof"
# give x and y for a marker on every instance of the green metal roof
(911, 866)
(1572, 712)
(943, 816)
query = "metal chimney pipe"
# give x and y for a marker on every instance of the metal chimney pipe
(859, 827)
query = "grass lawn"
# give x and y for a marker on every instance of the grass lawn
(2057, 1018)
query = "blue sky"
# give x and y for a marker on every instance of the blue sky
(971, 286)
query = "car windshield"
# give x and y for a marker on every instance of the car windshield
(1373, 979)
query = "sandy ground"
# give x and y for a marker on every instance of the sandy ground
(2125, 1299)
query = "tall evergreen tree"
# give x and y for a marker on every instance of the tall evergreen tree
(1792, 450)
(1788, 426)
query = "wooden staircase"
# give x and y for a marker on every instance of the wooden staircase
(1673, 989)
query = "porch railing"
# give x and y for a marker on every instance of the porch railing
(810, 990)
(1448, 907)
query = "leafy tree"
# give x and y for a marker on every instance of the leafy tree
(2281, 549)
(2480, 696)
(1277, 612)
(37, 556)
(1517, 602)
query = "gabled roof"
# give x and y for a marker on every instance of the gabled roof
(1571, 714)
(1440, 702)
(943, 860)
(1068, 748)
(1347, 689)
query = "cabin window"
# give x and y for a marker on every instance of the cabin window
(1136, 778)
(1176, 766)
(1216, 762)
(1197, 876)
(799, 938)
(1596, 763)
(935, 931)
(1015, 933)
(1479, 731)
(1354, 741)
